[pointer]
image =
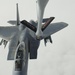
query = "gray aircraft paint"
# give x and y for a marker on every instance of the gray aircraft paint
(20, 33)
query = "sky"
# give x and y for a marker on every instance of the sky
(54, 59)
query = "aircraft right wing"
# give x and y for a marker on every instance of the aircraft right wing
(53, 28)
(48, 28)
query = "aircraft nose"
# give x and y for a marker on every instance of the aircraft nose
(17, 73)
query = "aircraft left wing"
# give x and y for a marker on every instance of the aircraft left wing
(8, 32)
(53, 28)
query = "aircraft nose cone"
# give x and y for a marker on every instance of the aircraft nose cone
(17, 73)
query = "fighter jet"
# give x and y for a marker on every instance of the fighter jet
(24, 37)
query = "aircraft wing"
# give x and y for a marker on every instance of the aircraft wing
(53, 28)
(8, 32)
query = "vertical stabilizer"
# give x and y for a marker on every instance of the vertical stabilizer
(18, 20)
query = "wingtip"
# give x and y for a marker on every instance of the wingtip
(65, 24)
